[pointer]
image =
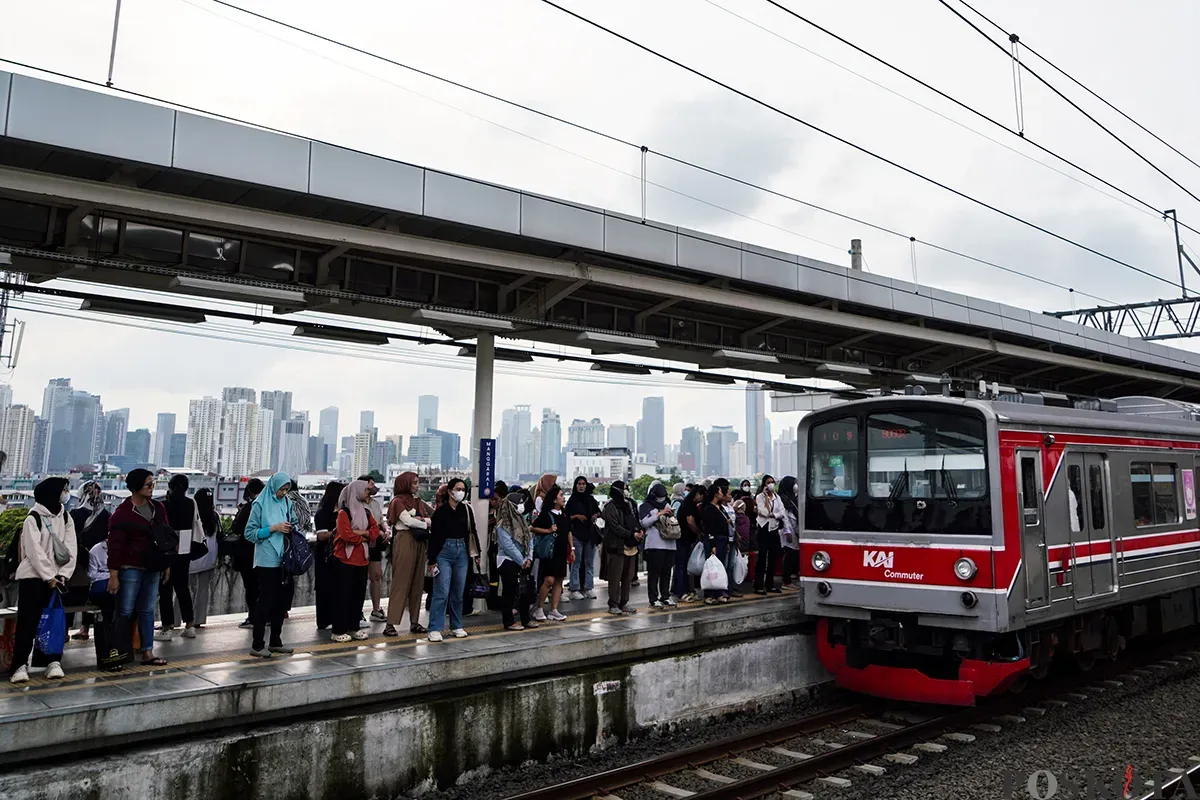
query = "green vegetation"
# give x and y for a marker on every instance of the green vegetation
(10, 525)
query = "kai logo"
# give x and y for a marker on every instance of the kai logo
(878, 558)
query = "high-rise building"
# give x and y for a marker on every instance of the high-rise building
(692, 451)
(177, 454)
(234, 394)
(347, 444)
(757, 442)
(533, 451)
(717, 451)
(366, 421)
(245, 439)
(384, 455)
(16, 438)
(551, 444)
(85, 419)
(522, 427)
(506, 445)
(328, 431)
(203, 451)
(584, 435)
(622, 436)
(427, 413)
(293, 444)
(450, 451)
(361, 463)
(785, 455)
(425, 450)
(57, 411)
(41, 444)
(137, 446)
(318, 455)
(397, 446)
(738, 468)
(116, 425)
(651, 430)
(163, 432)
(768, 458)
(280, 404)
(6, 395)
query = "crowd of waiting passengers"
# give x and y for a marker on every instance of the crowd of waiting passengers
(544, 546)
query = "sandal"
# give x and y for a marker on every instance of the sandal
(154, 662)
(418, 628)
(723, 599)
(390, 630)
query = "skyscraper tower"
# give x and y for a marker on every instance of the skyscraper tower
(427, 413)
(651, 430)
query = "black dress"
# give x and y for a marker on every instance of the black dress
(556, 565)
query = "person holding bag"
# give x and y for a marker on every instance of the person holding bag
(656, 515)
(183, 519)
(324, 585)
(48, 551)
(268, 528)
(136, 563)
(622, 533)
(553, 548)
(453, 540)
(409, 517)
(356, 532)
(718, 533)
(514, 558)
(203, 554)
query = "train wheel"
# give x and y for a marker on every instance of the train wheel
(1019, 685)
(1040, 670)
(1113, 644)
(1085, 661)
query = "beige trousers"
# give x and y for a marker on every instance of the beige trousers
(408, 578)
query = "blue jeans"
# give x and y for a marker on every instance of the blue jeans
(138, 594)
(450, 583)
(585, 563)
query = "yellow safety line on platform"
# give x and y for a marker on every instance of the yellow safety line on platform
(240, 659)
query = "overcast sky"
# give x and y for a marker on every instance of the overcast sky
(1140, 56)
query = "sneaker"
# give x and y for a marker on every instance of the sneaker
(264, 653)
(628, 610)
(280, 650)
(162, 636)
(435, 636)
(555, 616)
(589, 594)
(531, 624)
(340, 638)
(378, 616)
(362, 624)
(672, 602)
(246, 624)
(360, 635)
(566, 597)
(459, 633)
(616, 612)
(577, 596)
(189, 632)
(539, 615)
(516, 626)
(55, 671)
(20, 676)
(474, 612)
(657, 605)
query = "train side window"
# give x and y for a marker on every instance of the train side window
(1155, 497)
(833, 459)
(1075, 496)
(1029, 486)
(1096, 490)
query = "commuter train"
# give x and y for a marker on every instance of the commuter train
(952, 548)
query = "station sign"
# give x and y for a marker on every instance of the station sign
(487, 468)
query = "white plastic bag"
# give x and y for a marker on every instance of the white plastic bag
(696, 561)
(714, 578)
(741, 568)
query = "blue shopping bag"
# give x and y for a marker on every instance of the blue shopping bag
(52, 629)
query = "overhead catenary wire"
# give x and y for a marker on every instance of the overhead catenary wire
(1069, 102)
(1083, 86)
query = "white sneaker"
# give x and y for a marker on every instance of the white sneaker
(577, 595)
(54, 671)
(340, 638)
(20, 676)
(162, 636)
(657, 604)
(189, 632)
(589, 594)
(459, 633)
(539, 615)
(363, 624)
(672, 602)
(566, 597)
(360, 635)
(435, 636)
(556, 616)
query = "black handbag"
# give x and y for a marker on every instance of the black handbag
(479, 586)
(164, 546)
(199, 550)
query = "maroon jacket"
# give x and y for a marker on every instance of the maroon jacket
(129, 541)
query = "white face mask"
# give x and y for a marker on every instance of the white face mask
(458, 495)
(66, 496)
(770, 487)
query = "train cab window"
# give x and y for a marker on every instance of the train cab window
(926, 455)
(1074, 496)
(833, 459)
(1155, 497)
(1096, 493)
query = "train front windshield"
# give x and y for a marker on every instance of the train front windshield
(900, 470)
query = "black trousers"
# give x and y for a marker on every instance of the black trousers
(323, 585)
(658, 574)
(350, 587)
(176, 586)
(250, 587)
(273, 591)
(791, 565)
(515, 593)
(769, 553)
(32, 596)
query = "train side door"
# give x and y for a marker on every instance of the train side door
(1076, 562)
(1102, 543)
(1033, 528)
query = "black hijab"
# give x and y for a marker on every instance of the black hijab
(616, 493)
(208, 513)
(48, 494)
(181, 511)
(656, 500)
(582, 502)
(787, 493)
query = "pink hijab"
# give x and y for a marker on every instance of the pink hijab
(350, 500)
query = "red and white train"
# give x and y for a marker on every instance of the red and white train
(952, 548)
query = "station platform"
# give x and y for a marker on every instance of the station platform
(212, 683)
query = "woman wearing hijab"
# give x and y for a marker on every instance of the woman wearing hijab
(551, 521)
(132, 576)
(90, 518)
(453, 539)
(660, 552)
(182, 517)
(543, 487)
(514, 557)
(202, 567)
(622, 533)
(243, 552)
(325, 522)
(789, 531)
(718, 527)
(683, 501)
(356, 531)
(409, 517)
(269, 524)
(48, 550)
(583, 511)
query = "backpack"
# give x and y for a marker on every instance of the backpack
(669, 528)
(297, 555)
(164, 541)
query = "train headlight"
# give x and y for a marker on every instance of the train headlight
(820, 561)
(965, 569)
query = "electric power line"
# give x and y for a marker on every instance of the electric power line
(853, 145)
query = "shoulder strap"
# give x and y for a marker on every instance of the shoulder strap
(37, 518)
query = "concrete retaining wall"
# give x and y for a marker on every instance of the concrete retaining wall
(382, 753)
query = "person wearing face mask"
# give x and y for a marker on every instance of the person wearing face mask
(552, 522)
(622, 534)
(453, 540)
(718, 524)
(48, 550)
(789, 531)
(357, 530)
(660, 552)
(771, 515)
